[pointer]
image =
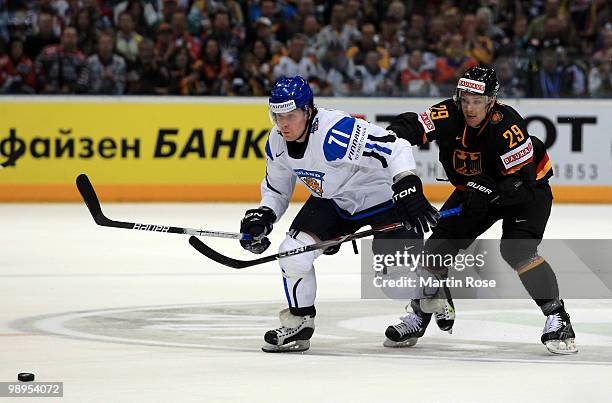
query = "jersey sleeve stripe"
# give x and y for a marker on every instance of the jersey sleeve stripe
(543, 167)
(380, 158)
(383, 139)
(271, 187)
(376, 147)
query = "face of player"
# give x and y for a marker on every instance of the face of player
(474, 108)
(292, 124)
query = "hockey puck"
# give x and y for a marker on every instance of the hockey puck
(25, 377)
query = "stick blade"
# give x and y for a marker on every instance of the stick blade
(89, 196)
(216, 256)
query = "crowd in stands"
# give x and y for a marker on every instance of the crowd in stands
(539, 48)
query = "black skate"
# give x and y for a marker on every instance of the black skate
(407, 332)
(445, 319)
(293, 335)
(558, 335)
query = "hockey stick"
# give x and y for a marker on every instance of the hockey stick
(11, 160)
(93, 204)
(241, 264)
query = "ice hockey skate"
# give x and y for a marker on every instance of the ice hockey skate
(558, 335)
(293, 335)
(445, 318)
(407, 332)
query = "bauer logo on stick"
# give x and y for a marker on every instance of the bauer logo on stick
(150, 227)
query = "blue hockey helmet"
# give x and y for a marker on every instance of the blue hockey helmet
(290, 93)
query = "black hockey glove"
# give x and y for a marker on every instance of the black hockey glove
(411, 205)
(258, 224)
(480, 191)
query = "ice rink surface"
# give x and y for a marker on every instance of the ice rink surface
(124, 316)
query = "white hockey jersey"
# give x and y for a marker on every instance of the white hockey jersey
(347, 160)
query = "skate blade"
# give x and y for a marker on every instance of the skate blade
(294, 347)
(399, 344)
(446, 329)
(561, 347)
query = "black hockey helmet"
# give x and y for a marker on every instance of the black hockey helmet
(478, 80)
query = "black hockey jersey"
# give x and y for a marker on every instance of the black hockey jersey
(500, 147)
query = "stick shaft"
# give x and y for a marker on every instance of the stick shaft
(90, 198)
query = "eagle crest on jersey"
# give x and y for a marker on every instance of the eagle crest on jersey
(467, 163)
(312, 179)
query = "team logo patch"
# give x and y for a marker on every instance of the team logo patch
(471, 85)
(312, 179)
(497, 117)
(426, 122)
(467, 163)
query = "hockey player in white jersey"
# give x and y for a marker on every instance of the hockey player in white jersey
(358, 175)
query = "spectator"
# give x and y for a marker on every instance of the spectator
(263, 31)
(44, 37)
(414, 79)
(276, 13)
(510, 85)
(545, 79)
(184, 79)
(437, 36)
(59, 66)
(16, 71)
(338, 71)
(606, 46)
(86, 31)
(450, 67)
(574, 72)
(182, 37)
(479, 46)
(305, 9)
(337, 31)
(370, 79)
(213, 68)
(148, 76)
(104, 72)
(357, 54)
(258, 83)
(229, 37)
(486, 26)
(165, 44)
(168, 9)
(536, 27)
(127, 38)
(262, 63)
(142, 12)
(511, 32)
(600, 78)
(397, 12)
(354, 11)
(311, 29)
(296, 63)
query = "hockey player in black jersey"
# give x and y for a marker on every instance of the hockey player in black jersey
(499, 173)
